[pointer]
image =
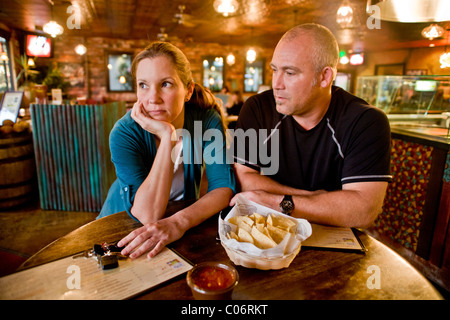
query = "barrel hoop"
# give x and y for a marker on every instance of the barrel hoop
(18, 184)
(15, 144)
(21, 197)
(17, 159)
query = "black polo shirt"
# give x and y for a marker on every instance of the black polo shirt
(350, 144)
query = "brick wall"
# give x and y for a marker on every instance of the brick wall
(98, 48)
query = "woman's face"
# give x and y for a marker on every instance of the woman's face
(160, 90)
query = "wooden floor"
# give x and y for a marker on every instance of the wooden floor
(27, 229)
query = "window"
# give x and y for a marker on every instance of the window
(213, 73)
(6, 79)
(119, 72)
(254, 75)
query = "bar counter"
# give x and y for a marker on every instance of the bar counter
(416, 212)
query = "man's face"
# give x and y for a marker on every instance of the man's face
(294, 81)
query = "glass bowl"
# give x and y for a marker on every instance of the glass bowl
(212, 280)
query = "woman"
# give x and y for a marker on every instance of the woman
(152, 165)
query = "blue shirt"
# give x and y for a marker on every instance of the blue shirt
(133, 151)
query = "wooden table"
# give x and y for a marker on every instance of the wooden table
(314, 274)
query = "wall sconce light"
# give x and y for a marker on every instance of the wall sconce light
(31, 63)
(251, 55)
(80, 49)
(226, 7)
(231, 59)
(4, 56)
(344, 16)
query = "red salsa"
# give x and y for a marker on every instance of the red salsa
(213, 278)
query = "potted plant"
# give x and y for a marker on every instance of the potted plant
(23, 79)
(54, 79)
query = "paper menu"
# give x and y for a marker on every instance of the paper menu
(59, 279)
(333, 238)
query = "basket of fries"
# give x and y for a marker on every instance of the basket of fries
(258, 237)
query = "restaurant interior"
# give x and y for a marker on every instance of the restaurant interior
(76, 56)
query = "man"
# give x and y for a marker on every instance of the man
(334, 149)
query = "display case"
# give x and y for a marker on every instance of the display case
(416, 104)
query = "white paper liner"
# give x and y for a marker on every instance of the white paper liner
(287, 248)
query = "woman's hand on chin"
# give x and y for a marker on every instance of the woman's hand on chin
(157, 127)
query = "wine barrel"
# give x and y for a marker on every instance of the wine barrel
(17, 170)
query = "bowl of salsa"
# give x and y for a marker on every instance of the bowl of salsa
(212, 281)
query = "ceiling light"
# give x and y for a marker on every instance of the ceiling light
(344, 15)
(412, 11)
(432, 31)
(80, 49)
(53, 28)
(226, 7)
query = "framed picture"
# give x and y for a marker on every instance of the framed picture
(397, 69)
(73, 73)
(119, 72)
(10, 105)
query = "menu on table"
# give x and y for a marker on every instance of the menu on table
(84, 279)
(333, 238)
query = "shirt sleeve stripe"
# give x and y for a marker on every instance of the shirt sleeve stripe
(374, 176)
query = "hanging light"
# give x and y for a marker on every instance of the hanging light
(444, 59)
(432, 31)
(53, 28)
(80, 49)
(122, 79)
(226, 7)
(344, 15)
(251, 55)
